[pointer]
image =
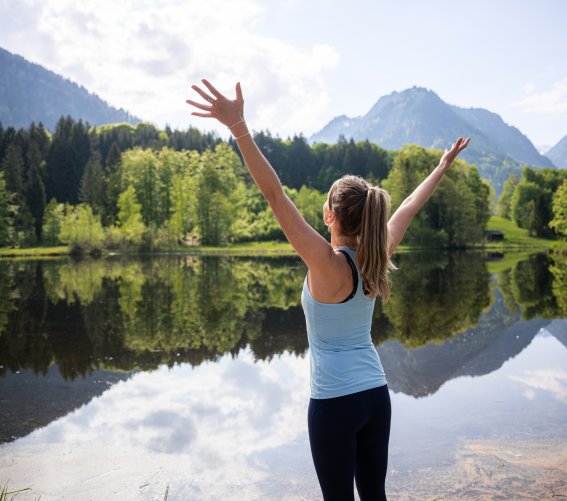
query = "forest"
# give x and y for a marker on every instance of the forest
(132, 188)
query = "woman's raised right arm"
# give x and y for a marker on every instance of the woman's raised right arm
(401, 219)
(313, 249)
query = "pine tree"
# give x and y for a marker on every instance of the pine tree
(69, 153)
(7, 211)
(113, 158)
(93, 185)
(34, 190)
(13, 167)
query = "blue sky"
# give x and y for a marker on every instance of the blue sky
(302, 62)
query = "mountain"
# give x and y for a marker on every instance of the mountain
(420, 116)
(558, 154)
(31, 93)
(498, 337)
(52, 394)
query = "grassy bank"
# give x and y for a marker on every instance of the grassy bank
(272, 248)
(241, 249)
(60, 250)
(515, 239)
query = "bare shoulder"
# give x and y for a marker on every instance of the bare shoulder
(332, 283)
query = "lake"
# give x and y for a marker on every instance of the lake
(187, 377)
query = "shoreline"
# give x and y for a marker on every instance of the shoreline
(481, 470)
(282, 249)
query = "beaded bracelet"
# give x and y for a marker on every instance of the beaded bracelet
(231, 126)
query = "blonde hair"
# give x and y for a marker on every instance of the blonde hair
(362, 211)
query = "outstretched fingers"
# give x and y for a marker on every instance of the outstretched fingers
(239, 92)
(463, 143)
(202, 93)
(203, 115)
(226, 111)
(199, 105)
(212, 90)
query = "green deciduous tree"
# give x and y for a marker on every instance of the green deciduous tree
(525, 207)
(532, 200)
(559, 204)
(139, 169)
(82, 230)
(218, 201)
(457, 212)
(130, 224)
(310, 202)
(503, 207)
(53, 219)
(183, 200)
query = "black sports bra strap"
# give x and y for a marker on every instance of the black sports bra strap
(354, 275)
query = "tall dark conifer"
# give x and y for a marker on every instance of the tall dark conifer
(114, 187)
(7, 212)
(113, 158)
(68, 156)
(13, 167)
(93, 185)
(34, 190)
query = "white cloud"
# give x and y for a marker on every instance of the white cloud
(529, 87)
(144, 56)
(553, 381)
(217, 428)
(553, 100)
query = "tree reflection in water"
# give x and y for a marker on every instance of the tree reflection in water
(123, 314)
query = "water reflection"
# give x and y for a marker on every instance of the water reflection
(126, 314)
(236, 429)
(79, 318)
(193, 371)
(222, 425)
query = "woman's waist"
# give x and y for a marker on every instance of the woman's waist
(340, 344)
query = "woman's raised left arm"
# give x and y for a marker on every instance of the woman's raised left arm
(401, 219)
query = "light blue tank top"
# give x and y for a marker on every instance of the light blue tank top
(343, 359)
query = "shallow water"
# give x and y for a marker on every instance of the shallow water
(127, 379)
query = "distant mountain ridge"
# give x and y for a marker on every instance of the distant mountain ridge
(31, 93)
(558, 153)
(420, 116)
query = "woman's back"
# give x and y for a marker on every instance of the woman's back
(343, 358)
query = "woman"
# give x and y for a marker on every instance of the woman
(349, 409)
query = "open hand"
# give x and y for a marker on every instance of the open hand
(226, 111)
(457, 147)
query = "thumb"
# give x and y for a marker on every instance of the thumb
(239, 92)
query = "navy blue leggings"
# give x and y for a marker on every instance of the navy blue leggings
(349, 440)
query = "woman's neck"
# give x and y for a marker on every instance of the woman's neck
(340, 241)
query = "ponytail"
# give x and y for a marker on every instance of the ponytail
(362, 211)
(372, 255)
